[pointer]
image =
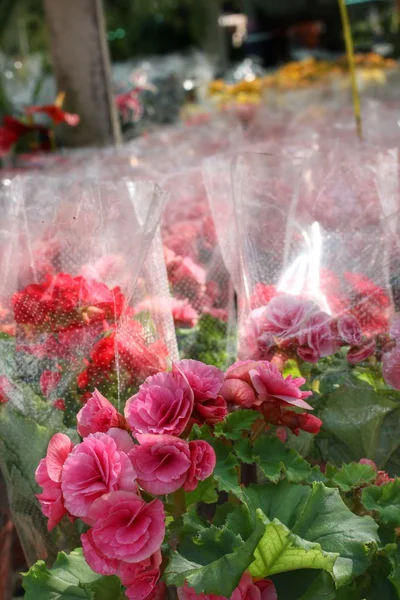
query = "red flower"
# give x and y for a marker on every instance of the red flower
(136, 360)
(55, 112)
(64, 302)
(275, 415)
(370, 304)
(262, 295)
(304, 421)
(12, 130)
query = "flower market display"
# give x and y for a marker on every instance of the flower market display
(308, 73)
(200, 364)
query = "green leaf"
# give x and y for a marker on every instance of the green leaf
(275, 458)
(23, 443)
(291, 368)
(322, 588)
(70, 578)
(226, 471)
(360, 423)
(394, 576)
(200, 433)
(318, 515)
(208, 342)
(279, 551)
(244, 451)
(385, 500)
(204, 492)
(235, 423)
(221, 576)
(239, 521)
(352, 476)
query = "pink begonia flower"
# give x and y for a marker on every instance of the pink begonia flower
(246, 590)
(349, 330)
(98, 415)
(317, 334)
(58, 450)
(286, 315)
(161, 462)
(163, 405)
(269, 384)
(51, 500)
(183, 313)
(391, 367)
(381, 476)
(203, 461)
(188, 274)
(140, 579)
(49, 381)
(308, 355)
(367, 461)
(237, 387)
(122, 439)
(96, 560)
(360, 353)
(211, 410)
(187, 593)
(262, 295)
(205, 380)
(95, 467)
(255, 342)
(160, 592)
(125, 527)
(48, 476)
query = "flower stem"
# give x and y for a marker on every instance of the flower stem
(352, 69)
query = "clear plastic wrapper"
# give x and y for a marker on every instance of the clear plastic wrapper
(314, 266)
(75, 266)
(202, 293)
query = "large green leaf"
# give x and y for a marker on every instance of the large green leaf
(70, 578)
(279, 551)
(221, 576)
(318, 515)
(384, 500)
(235, 423)
(227, 468)
(275, 458)
(204, 492)
(360, 423)
(352, 476)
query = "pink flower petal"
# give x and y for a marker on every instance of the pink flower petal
(58, 450)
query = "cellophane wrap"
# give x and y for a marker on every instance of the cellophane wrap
(299, 215)
(316, 255)
(76, 260)
(201, 287)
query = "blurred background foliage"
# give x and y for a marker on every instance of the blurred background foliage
(140, 28)
(144, 27)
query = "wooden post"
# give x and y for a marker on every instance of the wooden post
(213, 40)
(82, 68)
